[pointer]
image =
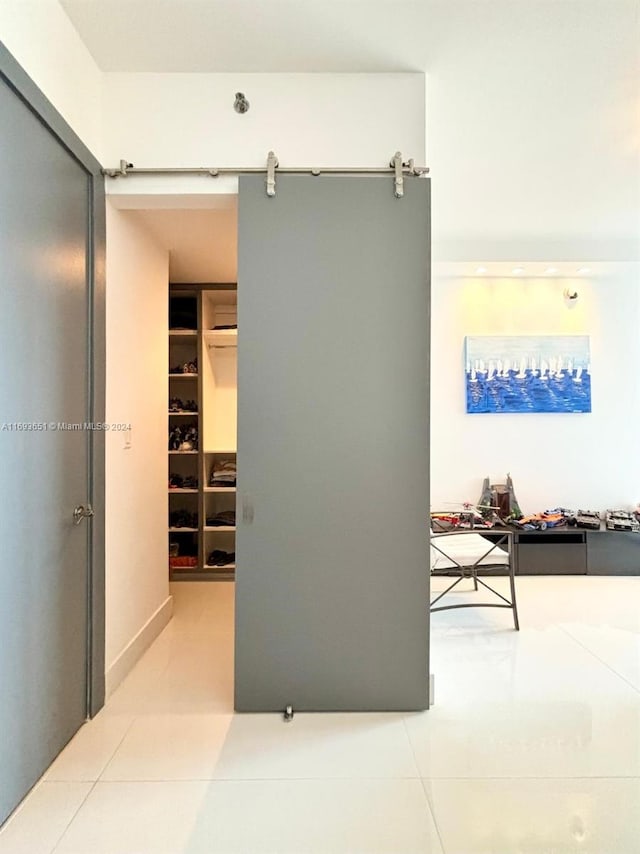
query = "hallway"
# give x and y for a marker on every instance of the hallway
(533, 745)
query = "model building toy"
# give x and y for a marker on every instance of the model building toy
(468, 516)
(588, 519)
(620, 520)
(548, 519)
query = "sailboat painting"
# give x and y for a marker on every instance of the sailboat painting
(528, 373)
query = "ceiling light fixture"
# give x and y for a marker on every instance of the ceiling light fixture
(480, 271)
(550, 271)
(518, 271)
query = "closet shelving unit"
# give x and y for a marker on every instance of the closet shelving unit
(214, 390)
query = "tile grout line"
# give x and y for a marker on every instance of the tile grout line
(343, 779)
(94, 783)
(432, 812)
(72, 819)
(117, 747)
(597, 658)
(541, 779)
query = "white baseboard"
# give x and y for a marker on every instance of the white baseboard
(138, 645)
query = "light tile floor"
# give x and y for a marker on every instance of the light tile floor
(533, 746)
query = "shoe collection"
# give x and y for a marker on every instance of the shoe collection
(178, 481)
(225, 519)
(223, 473)
(183, 437)
(183, 519)
(176, 405)
(186, 368)
(220, 558)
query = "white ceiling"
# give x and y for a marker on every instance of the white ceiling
(250, 35)
(266, 35)
(202, 244)
(312, 35)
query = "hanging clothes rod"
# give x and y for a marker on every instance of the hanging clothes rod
(397, 167)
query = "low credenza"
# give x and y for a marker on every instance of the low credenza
(575, 551)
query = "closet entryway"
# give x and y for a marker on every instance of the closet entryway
(327, 527)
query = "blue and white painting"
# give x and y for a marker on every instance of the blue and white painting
(528, 373)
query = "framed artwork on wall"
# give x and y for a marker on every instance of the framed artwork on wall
(527, 373)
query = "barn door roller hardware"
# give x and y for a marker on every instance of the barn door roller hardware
(399, 168)
(272, 164)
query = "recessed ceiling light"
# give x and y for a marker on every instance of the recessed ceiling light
(481, 270)
(517, 271)
(551, 270)
(584, 270)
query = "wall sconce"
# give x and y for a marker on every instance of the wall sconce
(570, 297)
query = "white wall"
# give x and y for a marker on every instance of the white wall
(533, 120)
(42, 39)
(583, 461)
(307, 119)
(137, 586)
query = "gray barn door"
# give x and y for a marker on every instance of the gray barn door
(44, 233)
(333, 490)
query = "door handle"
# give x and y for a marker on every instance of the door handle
(82, 512)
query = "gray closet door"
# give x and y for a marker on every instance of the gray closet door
(332, 604)
(44, 228)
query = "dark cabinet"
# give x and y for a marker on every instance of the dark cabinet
(613, 553)
(552, 553)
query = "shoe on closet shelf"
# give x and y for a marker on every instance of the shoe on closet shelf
(220, 558)
(225, 519)
(190, 482)
(175, 405)
(190, 406)
(189, 440)
(183, 519)
(176, 481)
(175, 438)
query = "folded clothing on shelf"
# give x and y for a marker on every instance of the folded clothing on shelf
(223, 473)
(224, 519)
(183, 437)
(183, 519)
(222, 326)
(185, 562)
(220, 558)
